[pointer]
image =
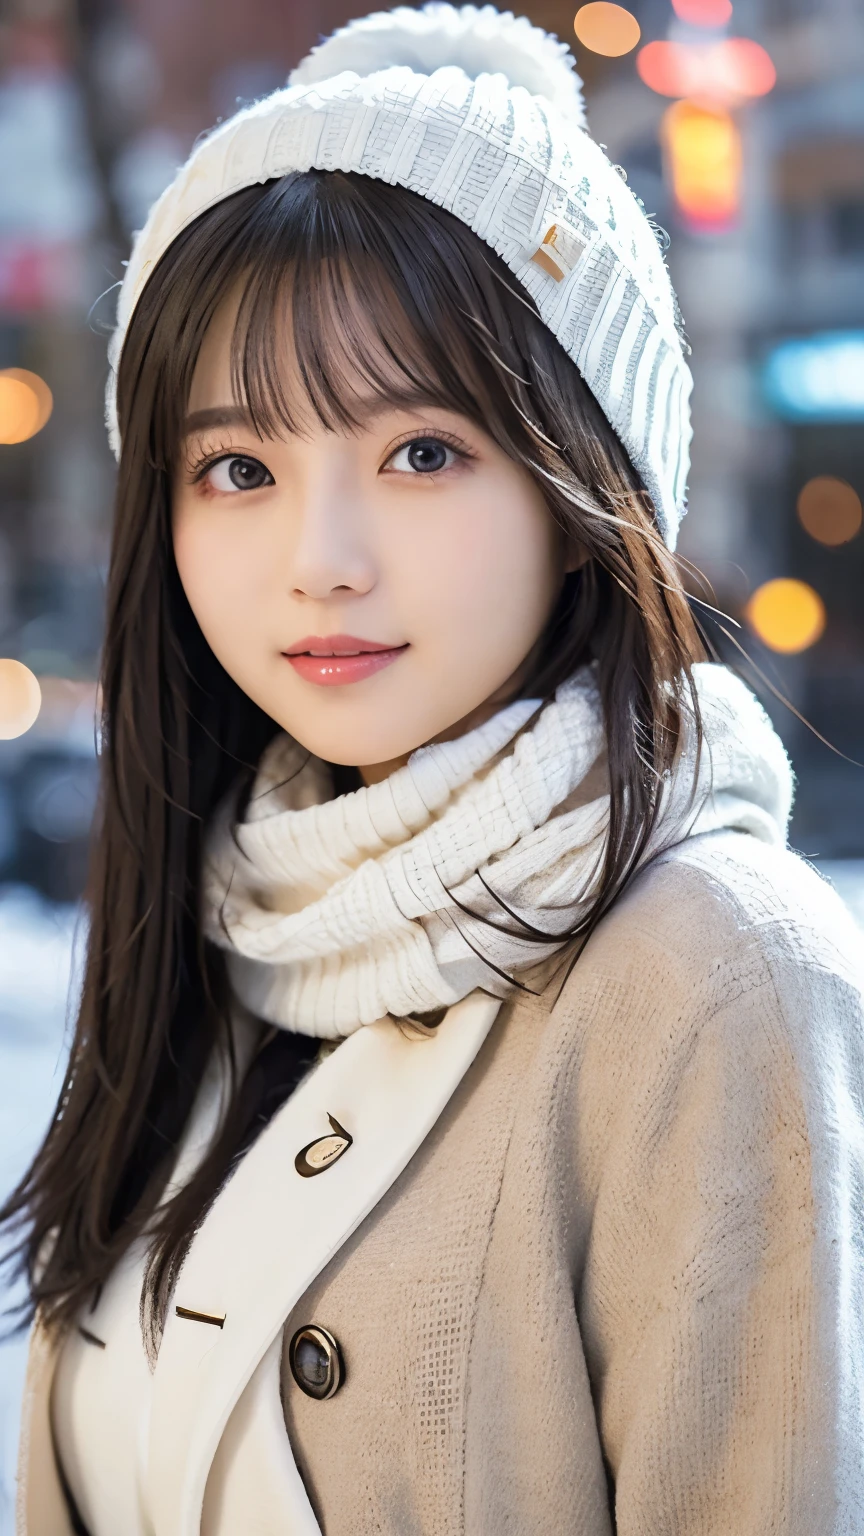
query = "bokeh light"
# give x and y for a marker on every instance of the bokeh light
(703, 13)
(703, 150)
(607, 29)
(25, 404)
(20, 699)
(787, 615)
(817, 378)
(830, 510)
(729, 71)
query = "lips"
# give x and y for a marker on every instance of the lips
(334, 660)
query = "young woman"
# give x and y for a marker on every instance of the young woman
(463, 1127)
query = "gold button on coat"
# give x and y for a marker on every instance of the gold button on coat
(324, 1151)
(316, 1362)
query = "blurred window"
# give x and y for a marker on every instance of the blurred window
(847, 227)
(821, 192)
(780, 12)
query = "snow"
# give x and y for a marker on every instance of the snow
(37, 963)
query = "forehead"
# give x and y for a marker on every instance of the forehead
(340, 334)
(330, 360)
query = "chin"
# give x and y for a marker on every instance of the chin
(357, 748)
(341, 726)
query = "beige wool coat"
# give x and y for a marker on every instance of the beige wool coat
(620, 1284)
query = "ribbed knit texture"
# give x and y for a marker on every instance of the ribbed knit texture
(479, 113)
(620, 1286)
(338, 912)
(633, 1243)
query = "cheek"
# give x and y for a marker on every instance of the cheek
(491, 574)
(219, 570)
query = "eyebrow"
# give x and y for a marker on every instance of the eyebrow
(367, 411)
(216, 416)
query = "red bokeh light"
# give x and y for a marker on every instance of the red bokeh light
(730, 70)
(703, 13)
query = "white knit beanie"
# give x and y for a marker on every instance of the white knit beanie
(480, 112)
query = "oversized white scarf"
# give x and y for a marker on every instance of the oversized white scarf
(468, 866)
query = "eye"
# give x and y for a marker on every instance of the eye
(237, 473)
(423, 456)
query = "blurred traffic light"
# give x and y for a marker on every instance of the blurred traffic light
(703, 13)
(702, 145)
(728, 71)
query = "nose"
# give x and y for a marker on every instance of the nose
(333, 548)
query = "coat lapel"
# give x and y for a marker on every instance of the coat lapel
(272, 1231)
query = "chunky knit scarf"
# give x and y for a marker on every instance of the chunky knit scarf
(469, 866)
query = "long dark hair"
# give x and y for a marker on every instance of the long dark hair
(346, 252)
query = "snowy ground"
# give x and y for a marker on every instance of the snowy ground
(37, 942)
(37, 959)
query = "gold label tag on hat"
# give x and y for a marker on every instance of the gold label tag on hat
(558, 252)
(324, 1151)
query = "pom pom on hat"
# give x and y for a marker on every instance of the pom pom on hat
(476, 39)
(481, 113)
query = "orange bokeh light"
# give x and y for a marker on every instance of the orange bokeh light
(830, 510)
(731, 70)
(703, 13)
(607, 29)
(787, 615)
(25, 404)
(702, 146)
(20, 699)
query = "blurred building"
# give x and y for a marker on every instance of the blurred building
(787, 267)
(99, 102)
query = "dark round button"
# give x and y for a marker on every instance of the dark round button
(316, 1362)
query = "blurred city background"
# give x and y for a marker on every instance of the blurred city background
(741, 129)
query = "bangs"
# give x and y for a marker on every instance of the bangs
(343, 293)
(353, 300)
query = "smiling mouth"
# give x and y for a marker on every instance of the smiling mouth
(334, 660)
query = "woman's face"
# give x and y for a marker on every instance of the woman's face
(370, 590)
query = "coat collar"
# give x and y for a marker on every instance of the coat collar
(271, 1232)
